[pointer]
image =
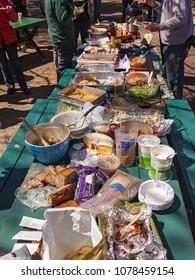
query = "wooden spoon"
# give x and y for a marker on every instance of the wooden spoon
(122, 231)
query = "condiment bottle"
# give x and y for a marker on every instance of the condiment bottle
(112, 34)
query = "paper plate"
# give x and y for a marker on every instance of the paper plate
(158, 194)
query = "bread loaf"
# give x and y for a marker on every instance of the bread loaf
(62, 194)
(66, 176)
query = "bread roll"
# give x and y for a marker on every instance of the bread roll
(134, 78)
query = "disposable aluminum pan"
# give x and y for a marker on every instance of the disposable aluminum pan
(97, 68)
(86, 58)
(106, 80)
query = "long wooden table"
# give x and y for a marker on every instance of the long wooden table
(28, 28)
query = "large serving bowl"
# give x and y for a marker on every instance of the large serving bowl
(97, 33)
(143, 90)
(67, 118)
(54, 152)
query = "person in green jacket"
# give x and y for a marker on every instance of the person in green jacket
(59, 14)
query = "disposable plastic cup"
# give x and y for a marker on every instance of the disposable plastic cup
(19, 16)
(161, 161)
(145, 143)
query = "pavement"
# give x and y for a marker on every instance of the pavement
(41, 76)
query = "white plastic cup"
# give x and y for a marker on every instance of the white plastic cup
(145, 143)
(19, 16)
(161, 161)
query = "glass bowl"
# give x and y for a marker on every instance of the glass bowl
(143, 90)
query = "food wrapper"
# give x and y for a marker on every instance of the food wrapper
(137, 242)
(127, 184)
(102, 201)
(88, 179)
(68, 231)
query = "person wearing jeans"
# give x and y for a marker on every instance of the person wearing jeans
(97, 10)
(175, 27)
(59, 14)
(12, 53)
(8, 49)
(82, 21)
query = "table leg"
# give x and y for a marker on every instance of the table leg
(27, 39)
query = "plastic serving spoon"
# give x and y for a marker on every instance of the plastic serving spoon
(150, 77)
(35, 133)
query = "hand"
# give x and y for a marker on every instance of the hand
(153, 27)
(8, 9)
(151, 3)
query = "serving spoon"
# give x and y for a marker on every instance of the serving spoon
(35, 132)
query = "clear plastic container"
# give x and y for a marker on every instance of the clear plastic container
(108, 164)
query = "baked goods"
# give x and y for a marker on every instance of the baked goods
(54, 176)
(66, 176)
(101, 143)
(61, 194)
(138, 61)
(136, 78)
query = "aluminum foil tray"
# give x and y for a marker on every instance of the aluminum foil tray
(97, 58)
(104, 67)
(101, 96)
(106, 79)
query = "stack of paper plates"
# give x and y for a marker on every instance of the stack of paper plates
(158, 194)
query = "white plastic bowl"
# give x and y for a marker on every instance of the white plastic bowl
(159, 195)
(71, 117)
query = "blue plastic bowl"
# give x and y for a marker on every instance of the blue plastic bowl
(53, 153)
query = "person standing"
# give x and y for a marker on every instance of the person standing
(175, 27)
(125, 4)
(97, 10)
(59, 14)
(20, 6)
(8, 49)
(82, 12)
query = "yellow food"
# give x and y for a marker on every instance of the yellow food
(81, 94)
(103, 144)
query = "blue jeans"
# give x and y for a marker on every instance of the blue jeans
(62, 56)
(97, 10)
(174, 57)
(11, 53)
(81, 27)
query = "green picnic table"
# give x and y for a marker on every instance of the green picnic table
(28, 28)
(172, 224)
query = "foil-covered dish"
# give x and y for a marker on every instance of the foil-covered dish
(131, 236)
